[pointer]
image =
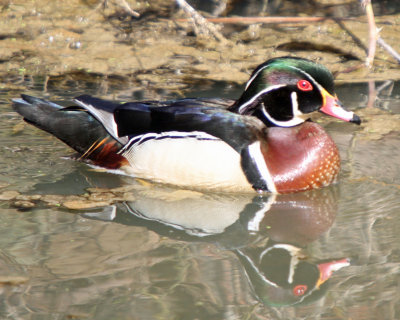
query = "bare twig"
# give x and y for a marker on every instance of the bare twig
(102, 3)
(374, 36)
(351, 34)
(128, 9)
(389, 49)
(201, 25)
(373, 32)
(371, 94)
(122, 3)
(252, 20)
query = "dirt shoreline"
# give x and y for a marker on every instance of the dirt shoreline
(63, 38)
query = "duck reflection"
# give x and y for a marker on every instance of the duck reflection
(281, 274)
(268, 234)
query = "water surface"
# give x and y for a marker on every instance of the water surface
(172, 254)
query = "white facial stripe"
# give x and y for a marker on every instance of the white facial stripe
(291, 123)
(257, 156)
(295, 105)
(288, 247)
(256, 269)
(292, 268)
(268, 89)
(254, 76)
(309, 76)
(298, 116)
(293, 251)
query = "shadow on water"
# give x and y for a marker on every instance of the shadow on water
(180, 254)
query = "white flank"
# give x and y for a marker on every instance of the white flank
(187, 159)
(257, 156)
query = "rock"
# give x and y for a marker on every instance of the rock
(23, 204)
(8, 195)
(84, 204)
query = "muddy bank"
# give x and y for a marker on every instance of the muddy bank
(55, 39)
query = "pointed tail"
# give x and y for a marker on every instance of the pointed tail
(75, 127)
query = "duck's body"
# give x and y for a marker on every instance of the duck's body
(210, 144)
(297, 158)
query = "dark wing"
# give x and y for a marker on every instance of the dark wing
(106, 112)
(236, 130)
(221, 103)
(129, 120)
(184, 115)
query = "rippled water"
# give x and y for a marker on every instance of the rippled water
(171, 254)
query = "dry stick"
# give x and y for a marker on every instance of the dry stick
(206, 27)
(388, 85)
(372, 95)
(374, 37)
(268, 20)
(373, 33)
(127, 8)
(277, 20)
(389, 49)
(380, 41)
(123, 4)
(351, 34)
(251, 20)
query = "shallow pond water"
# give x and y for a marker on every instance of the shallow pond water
(174, 254)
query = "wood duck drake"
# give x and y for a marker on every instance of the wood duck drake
(261, 142)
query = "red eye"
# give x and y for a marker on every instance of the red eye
(299, 290)
(304, 85)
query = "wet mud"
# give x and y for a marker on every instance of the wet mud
(103, 41)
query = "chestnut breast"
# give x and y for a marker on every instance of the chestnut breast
(301, 158)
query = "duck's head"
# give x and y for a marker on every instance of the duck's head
(284, 91)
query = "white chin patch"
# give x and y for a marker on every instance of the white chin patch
(298, 116)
